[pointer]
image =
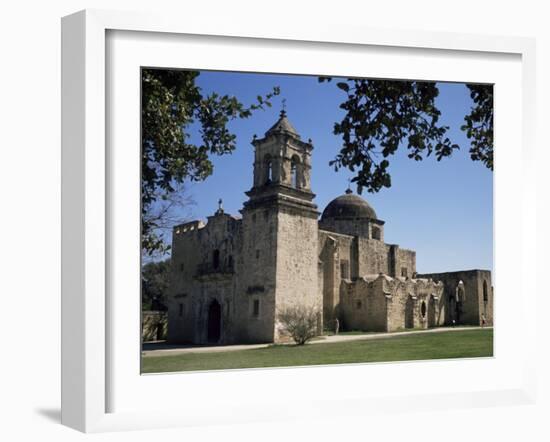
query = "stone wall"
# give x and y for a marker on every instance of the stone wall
(257, 276)
(335, 254)
(184, 264)
(406, 263)
(354, 227)
(297, 261)
(204, 263)
(364, 306)
(405, 300)
(474, 304)
(382, 303)
(372, 257)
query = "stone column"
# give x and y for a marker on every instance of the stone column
(389, 304)
(416, 312)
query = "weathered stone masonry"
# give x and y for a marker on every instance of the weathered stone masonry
(232, 275)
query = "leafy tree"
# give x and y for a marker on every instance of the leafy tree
(172, 105)
(155, 279)
(479, 124)
(383, 115)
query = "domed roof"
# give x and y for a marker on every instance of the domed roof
(349, 206)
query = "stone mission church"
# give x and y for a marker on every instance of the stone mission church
(231, 276)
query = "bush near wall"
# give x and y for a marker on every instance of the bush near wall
(154, 325)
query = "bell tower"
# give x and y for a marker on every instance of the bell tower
(280, 231)
(282, 166)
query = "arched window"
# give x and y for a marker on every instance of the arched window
(216, 259)
(460, 292)
(423, 309)
(457, 307)
(294, 170)
(485, 293)
(268, 169)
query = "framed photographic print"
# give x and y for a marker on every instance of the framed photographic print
(288, 210)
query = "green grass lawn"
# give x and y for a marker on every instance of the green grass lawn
(456, 344)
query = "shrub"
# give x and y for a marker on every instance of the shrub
(301, 323)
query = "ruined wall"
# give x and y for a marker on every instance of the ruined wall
(335, 255)
(405, 303)
(390, 304)
(474, 304)
(363, 307)
(329, 275)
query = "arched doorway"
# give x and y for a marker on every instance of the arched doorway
(214, 322)
(459, 305)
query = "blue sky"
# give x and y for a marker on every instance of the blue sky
(443, 210)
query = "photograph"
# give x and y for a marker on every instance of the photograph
(303, 220)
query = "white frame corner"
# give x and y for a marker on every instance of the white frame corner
(84, 234)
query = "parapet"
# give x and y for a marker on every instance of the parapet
(191, 226)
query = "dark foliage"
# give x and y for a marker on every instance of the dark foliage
(155, 279)
(479, 124)
(385, 115)
(171, 104)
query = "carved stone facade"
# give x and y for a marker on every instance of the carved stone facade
(232, 275)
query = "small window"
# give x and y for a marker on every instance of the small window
(180, 312)
(182, 267)
(294, 172)
(375, 232)
(216, 258)
(230, 262)
(257, 254)
(344, 269)
(423, 309)
(359, 305)
(266, 215)
(256, 308)
(404, 272)
(268, 169)
(485, 293)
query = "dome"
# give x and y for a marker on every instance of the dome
(349, 206)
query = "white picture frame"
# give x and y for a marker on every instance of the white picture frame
(87, 356)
